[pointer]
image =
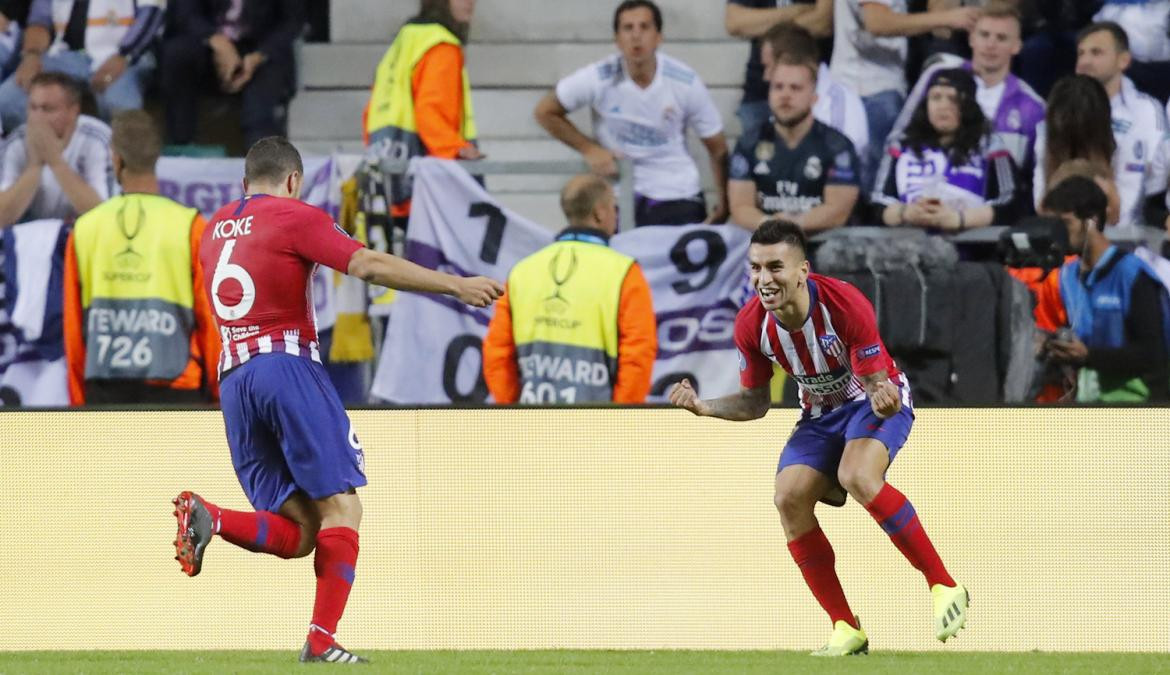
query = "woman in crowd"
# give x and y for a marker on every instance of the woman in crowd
(946, 173)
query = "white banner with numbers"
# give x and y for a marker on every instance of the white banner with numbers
(432, 350)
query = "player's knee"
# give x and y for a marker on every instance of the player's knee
(308, 540)
(793, 504)
(859, 483)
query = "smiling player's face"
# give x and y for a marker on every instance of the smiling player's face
(778, 273)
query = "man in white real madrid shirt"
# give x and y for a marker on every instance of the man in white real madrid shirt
(58, 164)
(642, 102)
(1139, 126)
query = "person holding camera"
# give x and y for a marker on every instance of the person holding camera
(1119, 314)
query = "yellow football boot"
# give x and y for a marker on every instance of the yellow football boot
(845, 641)
(950, 609)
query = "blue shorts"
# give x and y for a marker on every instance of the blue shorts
(288, 431)
(820, 442)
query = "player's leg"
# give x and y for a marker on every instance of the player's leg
(325, 459)
(872, 446)
(334, 565)
(284, 524)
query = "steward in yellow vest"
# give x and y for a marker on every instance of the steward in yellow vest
(576, 324)
(137, 322)
(420, 103)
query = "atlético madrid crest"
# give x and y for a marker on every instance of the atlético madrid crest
(831, 346)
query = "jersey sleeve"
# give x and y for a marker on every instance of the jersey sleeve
(844, 166)
(323, 241)
(12, 161)
(867, 352)
(755, 370)
(741, 160)
(578, 89)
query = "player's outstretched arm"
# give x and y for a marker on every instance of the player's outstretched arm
(883, 394)
(747, 404)
(387, 270)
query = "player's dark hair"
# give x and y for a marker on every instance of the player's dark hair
(920, 134)
(72, 86)
(1078, 123)
(1120, 39)
(627, 5)
(780, 231)
(271, 160)
(136, 140)
(1080, 196)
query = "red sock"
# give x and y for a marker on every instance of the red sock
(897, 517)
(814, 556)
(260, 531)
(337, 552)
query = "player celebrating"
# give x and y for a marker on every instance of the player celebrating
(293, 447)
(824, 334)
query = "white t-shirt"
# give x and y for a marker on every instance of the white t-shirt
(109, 21)
(1140, 163)
(989, 97)
(865, 63)
(647, 125)
(840, 107)
(88, 153)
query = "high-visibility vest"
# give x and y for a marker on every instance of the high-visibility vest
(137, 296)
(391, 123)
(565, 300)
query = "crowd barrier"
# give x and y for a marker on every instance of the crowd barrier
(592, 528)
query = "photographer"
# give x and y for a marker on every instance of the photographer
(1117, 309)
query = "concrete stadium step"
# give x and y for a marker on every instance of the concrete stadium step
(500, 113)
(535, 64)
(508, 20)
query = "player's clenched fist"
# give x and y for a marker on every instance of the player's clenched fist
(684, 395)
(885, 400)
(479, 291)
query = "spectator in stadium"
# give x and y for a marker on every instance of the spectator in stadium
(420, 103)
(104, 42)
(1146, 23)
(869, 56)
(137, 321)
(57, 165)
(1118, 312)
(246, 46)
(1138, 124)
(13, 16)
(643, 101)
(578, 303)
(836, 105)
(1012, 107)
(947, 172)
(1077, 126)
(753, 19)
(793, 167)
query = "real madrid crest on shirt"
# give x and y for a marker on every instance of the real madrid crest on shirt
(813, 168)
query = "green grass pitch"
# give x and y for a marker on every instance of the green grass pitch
(572, 662)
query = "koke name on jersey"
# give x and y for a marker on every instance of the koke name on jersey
(231, 227)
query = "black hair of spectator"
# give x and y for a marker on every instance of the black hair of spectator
(920, 134)
(439, 11)
(780, 231)
(74, 90)
(1078, 123)
(794, 42)
(627, 5)
(136, 140)
(1079, 196)
(1120, 38)
(271, 160)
